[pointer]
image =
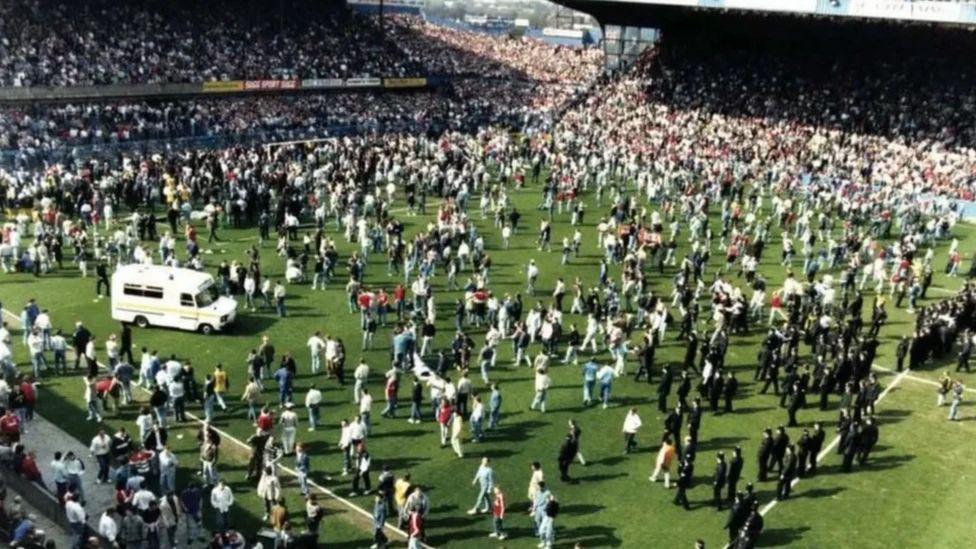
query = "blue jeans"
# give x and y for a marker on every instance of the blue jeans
(160, 415)
(39, 363)
(485, 364)
(493, 417)
(167, 480)
(60, 362)
(605, 392)
(208, 408)
(483, 498)
(280, 307)
(476, 429)
(252, 411)
(588, 385)
(547, 531)
(415, 411)
(391, 407)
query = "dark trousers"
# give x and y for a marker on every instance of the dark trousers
(564, 468)
(364, 477)
(717, 495)
(784, 486)
(732, 486)
(681, 498)
(102, 467)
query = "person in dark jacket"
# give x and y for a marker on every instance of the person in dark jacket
(664, 389)
(735, 472)
(729, 391)
(737, 516)
(567, 453)
(868, 438)
(787, 474)
(816, 444)
(721, 477)
(764, 454)
(685, 472)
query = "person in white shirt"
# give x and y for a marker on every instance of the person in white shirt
(60, 347)
(221, 499)
(90, 357)
(313, 399)
(542, 384)
(531, 275)
(77, 519)
(289, 426)
(631, 424)
(108, 529)
(315, 347)
(142, 498)
(345, 444)
(365, 408)
(360, 374)
(101, 448)
(168, 463)
(43, 323)
(35, 343)
(112, 351)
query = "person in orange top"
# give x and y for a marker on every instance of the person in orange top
(498, 514)
(665, 456)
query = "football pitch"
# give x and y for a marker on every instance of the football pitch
(913, 493)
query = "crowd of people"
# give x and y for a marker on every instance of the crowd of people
(444, 50)
(39, 131)
(680, 171)
(47, 43)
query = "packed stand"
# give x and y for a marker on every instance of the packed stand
(447, 51)
(48, 43)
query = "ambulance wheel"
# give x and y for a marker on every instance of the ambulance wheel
(206, 329)
(141, 322)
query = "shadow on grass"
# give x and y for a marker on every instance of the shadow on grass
(589, 536)
(776, 537)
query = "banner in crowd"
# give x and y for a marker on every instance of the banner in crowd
(404, 82)
(323, 83)
(223, 87)
(256, 85)
(363, 82)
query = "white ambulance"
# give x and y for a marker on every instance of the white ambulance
(157, 295)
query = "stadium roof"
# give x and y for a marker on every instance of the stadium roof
(927, 11)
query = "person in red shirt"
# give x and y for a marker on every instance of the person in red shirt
(29, 469)
(10, 426)
(30, 396)
(399, 294)
(444, 419)
(266, 420)
(498, 514)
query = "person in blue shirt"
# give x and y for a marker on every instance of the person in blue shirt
(589, 381)
(485, 478)
(606, 375)
(284, 378)
(494, 406)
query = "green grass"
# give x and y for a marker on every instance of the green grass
(915, 499)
